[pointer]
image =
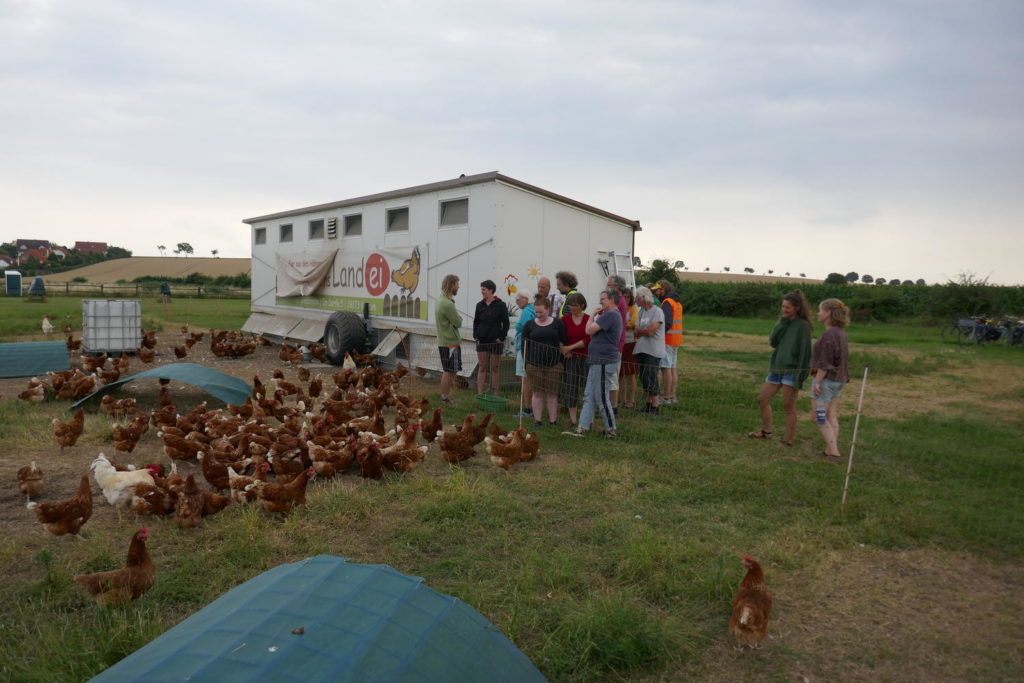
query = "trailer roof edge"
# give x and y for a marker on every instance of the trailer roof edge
(445, 185)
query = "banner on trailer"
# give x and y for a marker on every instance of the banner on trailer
(388, 280)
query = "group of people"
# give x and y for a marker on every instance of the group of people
(565, 355)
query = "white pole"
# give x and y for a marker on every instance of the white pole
(853, 443)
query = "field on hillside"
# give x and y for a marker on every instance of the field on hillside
(159, 266)
(605, 559)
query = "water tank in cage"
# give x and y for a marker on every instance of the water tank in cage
(111, 325)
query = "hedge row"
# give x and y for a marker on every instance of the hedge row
(866, 302)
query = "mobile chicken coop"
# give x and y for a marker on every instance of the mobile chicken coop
(364, 273)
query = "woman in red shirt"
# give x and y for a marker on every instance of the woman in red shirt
(574, 376)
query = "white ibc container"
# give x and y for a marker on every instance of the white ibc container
(111, 325)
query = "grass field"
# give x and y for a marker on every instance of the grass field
(617, 560)
(22, 320)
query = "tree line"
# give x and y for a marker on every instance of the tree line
(967, 296)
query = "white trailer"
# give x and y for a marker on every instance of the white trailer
(365, 272)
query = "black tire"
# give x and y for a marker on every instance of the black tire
(951, 334)
(343, 332)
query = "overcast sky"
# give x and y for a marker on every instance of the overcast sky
(882, 137)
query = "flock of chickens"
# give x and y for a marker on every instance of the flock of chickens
(267, 450)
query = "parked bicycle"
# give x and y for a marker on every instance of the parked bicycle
(979, 330)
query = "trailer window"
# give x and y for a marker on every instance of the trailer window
(316, 230)
(398, 220)
(260, 236)
(286, 233)
(354, 225)
(455, 212)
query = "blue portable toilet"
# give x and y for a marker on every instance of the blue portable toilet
(12, 282)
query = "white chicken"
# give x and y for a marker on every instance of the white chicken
(118, 487)
(47, 325)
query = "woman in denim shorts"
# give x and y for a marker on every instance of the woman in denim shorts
(830, 362)
(789, 366)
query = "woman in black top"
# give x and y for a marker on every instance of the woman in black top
(543, 338)
(490, 327)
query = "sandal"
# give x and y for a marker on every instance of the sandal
(759, 434)
(830, 458)
(787, 444)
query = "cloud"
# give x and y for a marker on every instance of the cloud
(731, 119)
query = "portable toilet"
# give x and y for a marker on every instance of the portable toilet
(110, 325)
(12, 282)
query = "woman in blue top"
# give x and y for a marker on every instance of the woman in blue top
(604, 328)
(526, 313)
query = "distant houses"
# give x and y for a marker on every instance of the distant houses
(42, 251)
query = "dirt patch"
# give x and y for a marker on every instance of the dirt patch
(870, 615)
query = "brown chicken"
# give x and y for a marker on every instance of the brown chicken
(72, 343)
(214, 503)
(148, 339)
(189, 510)
(331, 459)
(30, 480)
(371, 462)
(126, 584)
(34, 392)
(458, 445)
(127, 436)
(66, 517)
(318, 351)
(146, 356)
(281, 498)
(290, 354)
(433, 428)
(751, 608)
(66, 433)
(505, 454)
(91, 364)
(216, 472)
(117, 407)
(153, 499)
(180, 352)
(303, 374)
(405, 454)
(239, 483)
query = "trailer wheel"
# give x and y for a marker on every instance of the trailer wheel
(344, 332)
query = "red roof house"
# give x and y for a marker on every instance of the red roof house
(91, 247)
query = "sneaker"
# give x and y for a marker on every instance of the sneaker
(574, 432)
(537, 424)
(448, 400)
(526, 415)
(610, 434)
(652, 410)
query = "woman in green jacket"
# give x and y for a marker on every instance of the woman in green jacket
(789, 366)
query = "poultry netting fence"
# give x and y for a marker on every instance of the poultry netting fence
(541, 383)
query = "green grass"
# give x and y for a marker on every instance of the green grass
(20, 319)
(604, 560)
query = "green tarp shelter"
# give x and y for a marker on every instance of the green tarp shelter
(25, 359)
(225, 387)
(327, 619)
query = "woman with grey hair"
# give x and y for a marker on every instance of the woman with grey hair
(650, 346)
(524, 300)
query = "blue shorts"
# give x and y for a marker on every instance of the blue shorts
(787, 378)
(668, 361)
(830, 391)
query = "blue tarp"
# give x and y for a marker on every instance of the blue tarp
(25, 359)
(222, 385)
(327, 619)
